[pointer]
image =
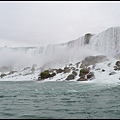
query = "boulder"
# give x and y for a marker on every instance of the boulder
(116, 68)
(117, 63)
(52, 70)
(70, 64)
(76, 69)
(82, 79)
(70, 77)
(84, 71)
(52, 75)
(2, 75)
(87, 38)
(66, 70)
(46, 74)
(74, 73)
(72, 68)
(90, 75)
(59, 70)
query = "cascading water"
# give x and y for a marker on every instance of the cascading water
(106, 42)
(47, 56)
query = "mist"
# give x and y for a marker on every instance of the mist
(39, 23)
(50, 56)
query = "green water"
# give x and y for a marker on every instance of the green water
(59, 100)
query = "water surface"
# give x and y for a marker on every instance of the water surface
(59, 100)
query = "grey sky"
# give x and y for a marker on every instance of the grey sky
(41, 23)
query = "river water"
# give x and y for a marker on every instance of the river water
(59, 100)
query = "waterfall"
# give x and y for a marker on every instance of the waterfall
(106, 42)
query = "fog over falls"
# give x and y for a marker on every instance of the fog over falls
(55, 55)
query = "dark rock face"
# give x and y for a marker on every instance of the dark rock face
(87, 38)
(70, 77)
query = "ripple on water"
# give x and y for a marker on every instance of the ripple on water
(59, 100)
